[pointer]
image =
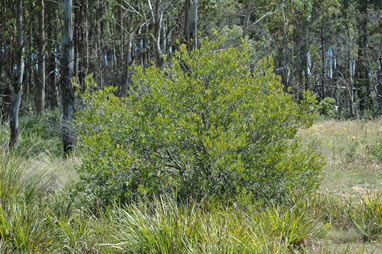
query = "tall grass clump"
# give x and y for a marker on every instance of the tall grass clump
(16, 183)
(32, 188)
(24, 227)
(367, 216)
(210, 227)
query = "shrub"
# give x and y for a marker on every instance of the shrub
(203, 125)
(326, 107)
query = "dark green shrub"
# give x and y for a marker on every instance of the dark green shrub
(326, 107)
(201, 126)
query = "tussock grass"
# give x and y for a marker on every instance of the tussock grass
(29, 181)
(367, 217)
(167, 227)
(37, 215)
(24, 227)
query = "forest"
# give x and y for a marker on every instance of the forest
(190, 126)
(330, 47)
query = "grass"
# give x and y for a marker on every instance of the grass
(350, 149)
(167, 227)
(352, 182)
(38, 214)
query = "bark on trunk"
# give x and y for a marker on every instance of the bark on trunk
(51, 89)
(191, 23)
(247, 18)
(17, 86)
(323, 60)
(285, 55)
(362, 69)
(84, 55)
(157, 17)
(66, 81)
(40, 91)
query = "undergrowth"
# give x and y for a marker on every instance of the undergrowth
(38, 215)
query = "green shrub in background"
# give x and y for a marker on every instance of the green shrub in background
(203, 125)
(326, 107)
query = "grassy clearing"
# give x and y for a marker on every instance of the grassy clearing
(351, 150)
(352, 179)
(38, 215)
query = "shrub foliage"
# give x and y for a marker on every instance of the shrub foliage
(326, 107)
(203, 125)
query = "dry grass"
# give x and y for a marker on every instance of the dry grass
(60, 172)
(351, 173)
(351, 168)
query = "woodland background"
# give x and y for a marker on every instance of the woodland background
(331, 47)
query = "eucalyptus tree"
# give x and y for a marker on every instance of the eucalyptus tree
(66, 79)
(362, 69)
(191, 22)
(364, 58)
(40, 84)
(374, 57)
(51, 51)
(17, 88)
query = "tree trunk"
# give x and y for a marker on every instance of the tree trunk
(66, 80)
(4, 89)
(191, 23)
(362, 69)
(323, 60)
(84, 51)
(17, 86)
(285, 55)
(157, 33)
(51, 85)
(76, 39)
(247, 18)
(40, 85)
